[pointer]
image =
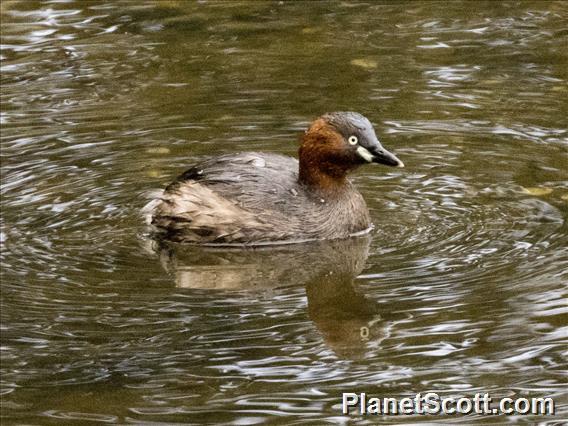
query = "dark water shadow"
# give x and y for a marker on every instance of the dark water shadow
(348, 320)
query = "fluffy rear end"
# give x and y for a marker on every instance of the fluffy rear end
(191, 212)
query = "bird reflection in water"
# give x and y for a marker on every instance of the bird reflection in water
(348, 321)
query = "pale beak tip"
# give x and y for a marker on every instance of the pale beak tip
(400, 164)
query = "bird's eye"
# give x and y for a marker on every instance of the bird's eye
(353, 140)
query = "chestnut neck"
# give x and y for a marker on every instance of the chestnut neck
(320, 181)
(322, 166)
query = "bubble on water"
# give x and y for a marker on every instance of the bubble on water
(158, 150)
(309, 30)
(537, 191)
(154, 173)
(365, 63)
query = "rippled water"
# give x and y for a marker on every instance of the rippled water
(461, 286)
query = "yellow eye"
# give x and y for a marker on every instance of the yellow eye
(353, 140)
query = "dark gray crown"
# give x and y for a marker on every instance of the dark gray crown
(348, 122)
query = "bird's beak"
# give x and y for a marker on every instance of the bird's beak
(382, 156)
(378, 154)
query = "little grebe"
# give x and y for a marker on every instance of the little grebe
(259, 198)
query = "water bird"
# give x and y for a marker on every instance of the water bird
(255, 198)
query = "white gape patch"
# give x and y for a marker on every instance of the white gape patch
(365, 154)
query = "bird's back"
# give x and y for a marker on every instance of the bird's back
(251, 198)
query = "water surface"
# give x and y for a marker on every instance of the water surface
(461, 287)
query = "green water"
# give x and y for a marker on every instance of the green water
(461, 287)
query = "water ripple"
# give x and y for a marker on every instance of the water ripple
(461, 288)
